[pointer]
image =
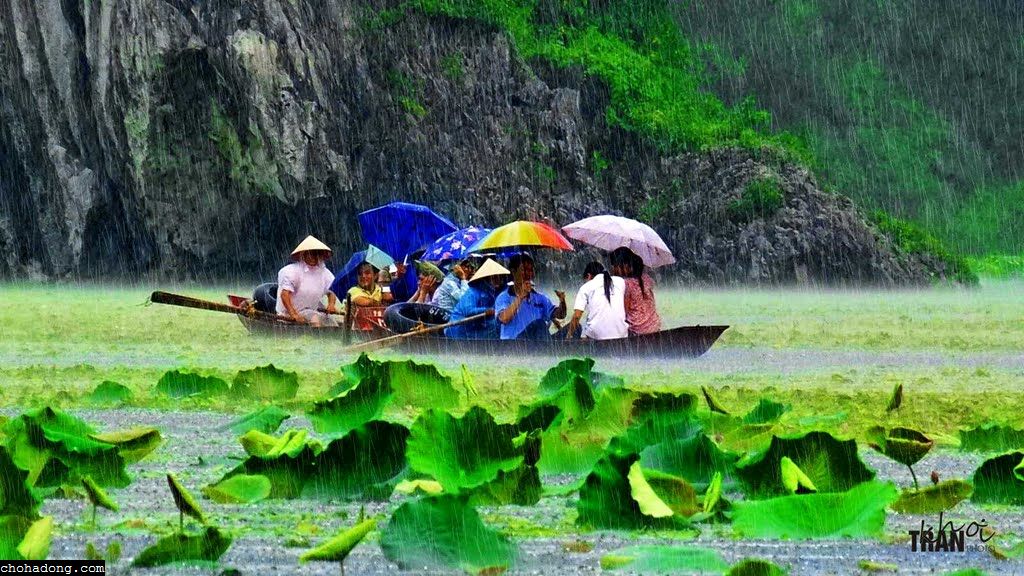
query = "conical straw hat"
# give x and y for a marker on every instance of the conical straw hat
(310, 243)
(489, 268)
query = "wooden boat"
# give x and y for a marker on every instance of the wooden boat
(681, 342)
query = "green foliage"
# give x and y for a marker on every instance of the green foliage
(761, 198)
(912, 239)
(857, 513)
(903, 445)
(598, 163)
(661, 559)
(832, 465)
(998, 266)
(996, 480)
(933, 499)
(608, 499)
(766, 411)
(13, 530)
(755, 567)
(991, 438)
(453, 68)
(444, 532)
(16, 495)
(205, 547)
(407, 92)
(109, 393)
(184, 500)
(338, 548)
(133, 444)
(353, 408)
(266, 420)
(265, 383)
(697, 459)
(178, 384)
(35, 545)
(240, 489)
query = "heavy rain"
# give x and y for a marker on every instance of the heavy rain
(516, 286)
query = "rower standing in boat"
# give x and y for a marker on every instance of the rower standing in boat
(522, 312)
(302, 284)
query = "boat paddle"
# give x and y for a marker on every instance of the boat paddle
(391, 340)
(189, 302)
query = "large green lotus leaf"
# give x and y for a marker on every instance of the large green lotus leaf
(17, 498)
(265, 383)
(656, 418)
(904, 445)
(133, 444)
(420, 385)
(241, 489)
(606, 498)
(573, 401)
(766, 411)
(266, 420)
(338, 548)
(12, 531)
(256, 443)
(574, 448)
(991, 438)
(442, 533)
(291, 443)
(184, 500)
(661, 495)
(366, 463)
(564, 373)
(695, 459)
(519, 487)
(755, 567)
(178, 384)
(205, 547)
(660, 559)
(996, 483)
(794, 479)
(856, 513)
(353, 408)
(832, 465)
(353, 373)
(35, 545)
(56, 448)
(933, 499)
(109, 393)
(462, 453)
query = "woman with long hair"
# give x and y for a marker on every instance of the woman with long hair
(641, 311)
(602, 299)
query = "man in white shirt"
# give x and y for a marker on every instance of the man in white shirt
(602, 299)
(302, 284)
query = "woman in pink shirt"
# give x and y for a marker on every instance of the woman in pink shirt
(641, 311)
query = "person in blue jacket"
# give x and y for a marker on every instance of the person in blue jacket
(479, 298)
(523, 312)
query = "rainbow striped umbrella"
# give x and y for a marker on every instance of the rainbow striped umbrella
(522, 233)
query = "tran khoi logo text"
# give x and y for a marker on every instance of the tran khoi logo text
(948, 537)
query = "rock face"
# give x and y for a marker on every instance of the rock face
(204, 139)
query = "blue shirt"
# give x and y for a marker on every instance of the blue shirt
(534, 307)
(476, 300)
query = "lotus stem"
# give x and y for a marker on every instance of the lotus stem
(341, 567)
(93, 516)
(181, 521)
(914, 476)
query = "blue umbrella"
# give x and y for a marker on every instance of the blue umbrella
(400, 228)
(454, 246)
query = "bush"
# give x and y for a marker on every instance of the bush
(912, 239)
(761, 198)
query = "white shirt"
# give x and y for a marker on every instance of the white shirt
(308, 284)
(604, 319)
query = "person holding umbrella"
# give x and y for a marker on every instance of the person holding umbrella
(641, 311)
(302, 284)
(521, 311)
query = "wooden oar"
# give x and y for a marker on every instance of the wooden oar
(391, 340)
(189, 302)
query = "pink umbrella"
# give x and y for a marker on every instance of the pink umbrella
(610, 232)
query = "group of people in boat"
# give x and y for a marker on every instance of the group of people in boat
(612, 302)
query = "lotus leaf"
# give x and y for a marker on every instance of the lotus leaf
(755, 567)
(606, 498)
(353, 408)
(991, 438)
(338, 548)
(933, 499)
(428, 487)
(896, 399)
(109, 393)
(56, 449)
(17, 498)
(574, 447)
(265, 383)
(444, 532)
(12, 531)
(766, 411)
(856, 513)
(564, 373)
(903, 445)
(205, 547)
(713, 496)
(657, 418)
(185, 502)
(420, 385)
(696, 459)
(831, 465)
(368, 461)
(178, 384)
(266, 420)
(661, 495)
(713, 404)
(462, 453)
(520, 487)
(794, 479)
(240, 489)
(133, 444)
(353, 373)
(291, 443)
(97, 496)
(35, 545)
(659, 559)
(256, 443)
(996, 483)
